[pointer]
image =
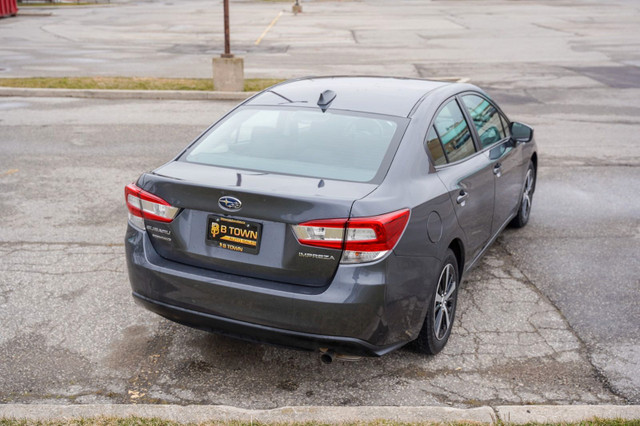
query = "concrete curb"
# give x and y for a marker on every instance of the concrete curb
(202, 413)
(328, 414)
(188, 95)
(565, 413)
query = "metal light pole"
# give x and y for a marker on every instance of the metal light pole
(228, 70)
(227, 41)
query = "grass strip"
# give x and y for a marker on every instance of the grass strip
(130, 83)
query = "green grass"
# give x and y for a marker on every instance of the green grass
(130, 83)
(137, 421)
(257, 84)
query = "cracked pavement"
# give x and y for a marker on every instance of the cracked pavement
(551, 315)
(72, 334)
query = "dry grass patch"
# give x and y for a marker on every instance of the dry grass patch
(129, 83)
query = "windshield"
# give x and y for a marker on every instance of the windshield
(301, 141)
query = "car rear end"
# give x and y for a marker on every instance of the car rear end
(249, 232)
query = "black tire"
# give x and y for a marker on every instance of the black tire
(436, 329)
(526, 198)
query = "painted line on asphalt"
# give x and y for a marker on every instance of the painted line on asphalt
(264, 33)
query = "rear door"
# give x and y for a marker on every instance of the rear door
(468, 177)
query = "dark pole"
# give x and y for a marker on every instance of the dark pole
(227, 42)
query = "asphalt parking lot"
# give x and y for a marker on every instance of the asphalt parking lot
(550, 316)
(72, 333)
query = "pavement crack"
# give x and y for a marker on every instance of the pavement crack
(354, 36)
(149, 368)
(42, 28)
(57, 243)
(546, 27)
(60, 274)
(583, 348)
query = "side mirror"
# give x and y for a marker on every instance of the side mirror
(520, 132)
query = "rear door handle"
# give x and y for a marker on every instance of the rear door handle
(462, 197)
(497, 169)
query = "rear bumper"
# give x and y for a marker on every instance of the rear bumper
(260, 333)
(358, 313)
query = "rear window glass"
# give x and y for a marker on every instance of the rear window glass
(302, 141)
(435, 148)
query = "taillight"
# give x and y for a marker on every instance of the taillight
(363, 239)
(144, 205)
(327, 233)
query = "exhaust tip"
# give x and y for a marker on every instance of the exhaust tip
(327, 357)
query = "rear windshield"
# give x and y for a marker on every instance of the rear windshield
(301, 141)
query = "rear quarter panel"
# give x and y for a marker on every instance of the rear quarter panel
(411, 182)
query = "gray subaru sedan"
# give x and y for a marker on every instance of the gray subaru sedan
(337, 214)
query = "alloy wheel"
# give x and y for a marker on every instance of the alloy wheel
(526, 195)
(444, 302)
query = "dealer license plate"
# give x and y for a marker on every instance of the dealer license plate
(234, 234)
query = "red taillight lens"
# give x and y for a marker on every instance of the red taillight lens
(362, 239)
(376, 233)
(145, 205)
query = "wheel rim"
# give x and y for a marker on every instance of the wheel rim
(444, 302)
(526, 194)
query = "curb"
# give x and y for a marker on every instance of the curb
(190, 95)
(565, 413)
(21, 13)
(325, 414)
(202, 413)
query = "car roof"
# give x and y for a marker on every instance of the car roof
(378, 95)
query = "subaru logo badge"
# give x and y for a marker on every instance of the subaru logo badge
(231, 204)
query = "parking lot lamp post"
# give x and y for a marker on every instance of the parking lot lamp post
(228, 70)
(227, 41)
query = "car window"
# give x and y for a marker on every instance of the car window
(435, 148)
(454, 132)
(301, 141)
(486, 119)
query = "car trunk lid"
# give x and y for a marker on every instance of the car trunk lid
(257, 239)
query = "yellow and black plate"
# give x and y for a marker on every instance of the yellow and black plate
(234, 234)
